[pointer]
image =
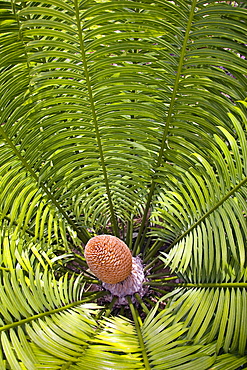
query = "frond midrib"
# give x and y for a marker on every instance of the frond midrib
(95, 120)
(83, 234)
(167, 126)
(51, 312)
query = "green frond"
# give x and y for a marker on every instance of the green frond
(86, 80)
(230, 362)
(117, 347)
(204, 211)
(56, 341)
(215, 314)
(127, 118)
(42, 314)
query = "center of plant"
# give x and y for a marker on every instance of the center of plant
(109, 258)
(111, 261)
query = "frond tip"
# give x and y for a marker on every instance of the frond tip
(109, 258)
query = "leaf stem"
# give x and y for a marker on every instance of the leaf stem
(147, 267)
(153, 250)
(144, 307)
(110, 307)
(197, 285)
(139, 333)
(162, 275)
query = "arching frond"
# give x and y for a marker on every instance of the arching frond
(117, 347)
(212, 313)
(112, 111)
(167, 347)
(204, 218)
(204, 211)
(33, 299)
(107, 85)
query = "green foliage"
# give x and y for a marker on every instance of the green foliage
(123, 117)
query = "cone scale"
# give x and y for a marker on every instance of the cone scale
(109, 258)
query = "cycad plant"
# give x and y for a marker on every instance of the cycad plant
(123, 118)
